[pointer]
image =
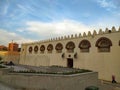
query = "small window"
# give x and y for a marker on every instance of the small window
(84, 46)
(70, 47)
(50, 48)
(42, 48)
(36, 49)
(103, 44)
(59, 48)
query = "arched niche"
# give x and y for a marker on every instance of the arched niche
(59, 47)
(42, 48)
(84, 45)
(30, 49)
(36, 49)
(70, 46)
(50, 48)
(103, 44)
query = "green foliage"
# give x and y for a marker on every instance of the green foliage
(59, 73)
(92, 88)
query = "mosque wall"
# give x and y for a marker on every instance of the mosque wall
(98, 52)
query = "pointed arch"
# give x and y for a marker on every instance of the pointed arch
(42, 48)
(36, 49)
(84, 45)
(50, 48)
(30, 49)
(59, 47)
(103, 44)
(70, 46)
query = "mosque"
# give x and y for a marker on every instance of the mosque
(98, 52)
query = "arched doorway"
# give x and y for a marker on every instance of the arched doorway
(70, 62)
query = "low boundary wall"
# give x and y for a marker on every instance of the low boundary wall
(30, 81)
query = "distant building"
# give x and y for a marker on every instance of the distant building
(13, 46)
(13, 53)
(94, 51)
(3, 48)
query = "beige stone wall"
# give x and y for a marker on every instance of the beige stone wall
(12, 56)
(106, 63)
(50, 82)
(33, 59)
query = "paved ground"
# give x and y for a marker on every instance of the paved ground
(101, 87)
(104, 85)
(5, 87)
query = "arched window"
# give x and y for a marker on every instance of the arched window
(103, 44)
(50, 48)
(59, 47)
(30, 49)
(42, 48)
(84, 45)
(36, 49)
(70, 46)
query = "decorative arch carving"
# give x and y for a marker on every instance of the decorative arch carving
(36, 48)
(30, 49)
(70, 46)
(50, 47)
(103, 44)
(59, 46)
(84, 45)
(42, 48)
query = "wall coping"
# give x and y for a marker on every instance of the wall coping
(52, 75)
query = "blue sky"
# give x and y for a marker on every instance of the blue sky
(30, 20)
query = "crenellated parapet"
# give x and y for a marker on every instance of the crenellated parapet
(73, 36)
(100, 32)
(94, 33)
(113, 29)
(107, 30)
(89, 33)
(80, 35)
(84, 34)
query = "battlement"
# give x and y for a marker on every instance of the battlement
(88, 34)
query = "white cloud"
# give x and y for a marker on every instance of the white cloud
(105, 22)
(21, 30)
(67, 27)
(107, 4)
(112, 6)
(7, 37)
(55, 29)
(5, 8)
(21, 7)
